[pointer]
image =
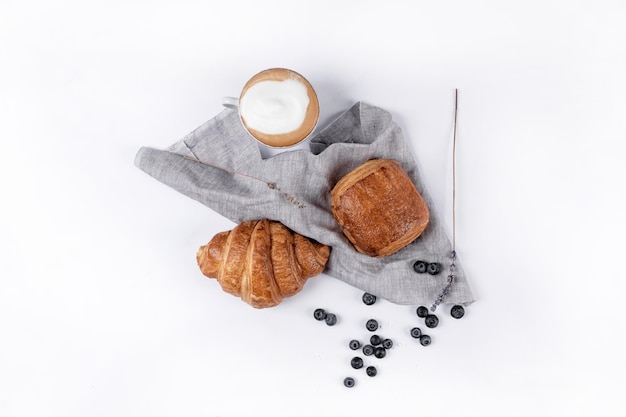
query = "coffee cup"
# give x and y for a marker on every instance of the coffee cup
(278, 107)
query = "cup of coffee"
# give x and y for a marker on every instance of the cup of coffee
(278, 107)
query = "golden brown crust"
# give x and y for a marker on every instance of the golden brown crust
(258, 287)
(262, 261)
(378, 208)
(287, 272)
(209, 256)
(311, 255)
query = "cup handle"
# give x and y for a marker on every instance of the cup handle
(230, 102)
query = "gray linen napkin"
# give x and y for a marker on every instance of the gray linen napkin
(232, 179)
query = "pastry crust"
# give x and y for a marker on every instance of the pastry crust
(287, 272)
(378, 208)
(262, 261)
(258, 287)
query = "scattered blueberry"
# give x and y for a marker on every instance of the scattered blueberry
(356, 362)
(355, 344)
(425, 340)
(433, 268)
(457, 311)
(348, 382)
(431, 321)
(331, 319)
(420, 267)
(422, 311)
(368, 350)
(376, 340)
(319, 314)
(416, 332)
(380, 352)
(387, 343)
(372, 325)
(369, 299)
(371, 371)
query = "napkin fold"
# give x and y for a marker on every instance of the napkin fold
(219, 165)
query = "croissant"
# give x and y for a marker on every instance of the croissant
(262, 261)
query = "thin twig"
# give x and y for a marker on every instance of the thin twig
(456, 106)
(446, 290)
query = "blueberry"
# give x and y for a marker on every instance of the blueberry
(319, 314)
(372, 325)
(416, 332)
(355, 344)
(431, 321)
(387, 343)
(420, 267)
(433, 268)
(368, 350)
(457, 311)
(376, 340)
(356, 362)
(331, 319)
(348, 382)
(369, 299)
(371, 371)
(425, 340)
(422, 311)
(380, 352)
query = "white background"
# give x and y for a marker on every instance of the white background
(103, 311)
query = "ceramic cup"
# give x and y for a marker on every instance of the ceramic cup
(278, 107)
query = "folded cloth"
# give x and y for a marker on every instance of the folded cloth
(219, 165)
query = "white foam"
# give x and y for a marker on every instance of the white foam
(275, 107)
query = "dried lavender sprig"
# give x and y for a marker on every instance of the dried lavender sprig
(444, 293)
(271, 185)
